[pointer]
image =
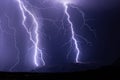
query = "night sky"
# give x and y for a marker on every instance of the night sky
(98, 42)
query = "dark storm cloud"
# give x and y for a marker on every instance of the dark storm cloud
(99, 4)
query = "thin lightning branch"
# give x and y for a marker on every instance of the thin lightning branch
(16, 47)
(84, 20)
(15, 42)
(18, 51)
(73, 33)
(35, 41)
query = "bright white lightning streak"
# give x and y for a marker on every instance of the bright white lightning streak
(35, 42)
(73, 33)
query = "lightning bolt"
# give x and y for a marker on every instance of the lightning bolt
(35, 41)
(65, 4)
(73, 33)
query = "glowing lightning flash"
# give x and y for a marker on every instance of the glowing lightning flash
(72, 32)
(35, 41)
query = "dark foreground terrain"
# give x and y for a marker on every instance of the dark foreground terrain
(69, 67)
(68, 71)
